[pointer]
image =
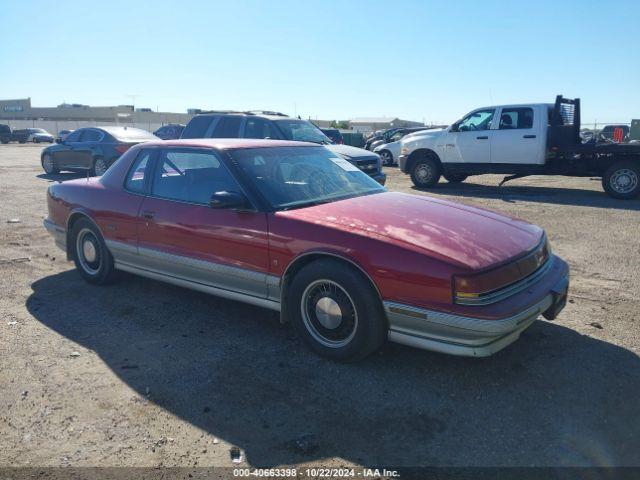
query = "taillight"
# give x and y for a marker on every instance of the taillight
(122, 148)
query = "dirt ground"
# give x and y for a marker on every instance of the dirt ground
(146, 374)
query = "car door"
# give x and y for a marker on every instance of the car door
(84, 149)
(469, 140)
(515, 141)
(181, 236)
(66, 156)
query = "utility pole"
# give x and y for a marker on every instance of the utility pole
(133, 99)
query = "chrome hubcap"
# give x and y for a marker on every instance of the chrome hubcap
(386, 158)
(88, 252)
(624, 180)
(423, 173)
(329, 313)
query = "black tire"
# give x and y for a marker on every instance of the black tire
(622, 180)
(97, 172)
(426, 172)
(386, 157)
(455, 177)
(35, 140)
(93, 261)
(49, 164)
(362, 325)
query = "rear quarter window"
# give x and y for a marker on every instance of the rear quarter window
(197, 127)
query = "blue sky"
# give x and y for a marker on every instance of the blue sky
(418, 60)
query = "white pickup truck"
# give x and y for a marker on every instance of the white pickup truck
(520, 140)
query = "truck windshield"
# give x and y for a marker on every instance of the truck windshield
(301, 131)
(296, 177)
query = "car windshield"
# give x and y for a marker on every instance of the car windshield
(301, 131)
(296, 177)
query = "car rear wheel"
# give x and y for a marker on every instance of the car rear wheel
(386, 157)
(622, 180)
(35, 140)
(99, 167)
(49, 165)
(455, 177)
(336, 310)
(426, 172)
(90, 254)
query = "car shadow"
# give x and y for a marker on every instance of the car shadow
(529, 193)
(555, 397)
(61, 177)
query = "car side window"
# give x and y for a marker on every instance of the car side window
(197, 127)
(227, 127)
(191, 176)
(479, 120)
(516, 118)
(256, 127)
(139, 172)
(74, 136)
(90, 135)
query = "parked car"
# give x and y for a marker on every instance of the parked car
(273, 125)
(6, 135)
(334, 134)
(521, 140)
(293, 228)
(62, 135)
(170, 131)
(377, 137)
(93, 149)
(39, 135)
(389, 152)
(21, 135)
(616, 133)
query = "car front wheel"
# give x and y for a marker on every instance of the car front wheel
(622, 180)
(48, 165)
(90, 254)
(426, 172)
(336, 310)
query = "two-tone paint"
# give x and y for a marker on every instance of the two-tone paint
(411, 248)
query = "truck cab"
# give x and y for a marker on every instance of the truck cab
(519, 140)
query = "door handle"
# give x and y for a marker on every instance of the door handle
(148, 215)
(483, 138)
(528, 136)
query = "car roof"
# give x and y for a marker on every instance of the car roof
(228, 143)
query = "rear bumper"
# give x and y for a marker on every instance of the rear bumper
(59, 234)
(467, 336)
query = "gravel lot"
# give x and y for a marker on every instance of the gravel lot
(142, 373)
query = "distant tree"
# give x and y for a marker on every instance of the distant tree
(343, 124)
(333, 124)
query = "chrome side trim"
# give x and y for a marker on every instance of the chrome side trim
(59, 234)
(509, 290)
(196, 271)
(201, 287)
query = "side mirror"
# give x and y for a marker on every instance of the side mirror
(454, 127)
(226, 199)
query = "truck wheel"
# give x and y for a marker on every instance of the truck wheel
(455, 177)
(49, 165)
(622, 180)
(386, 157)
(336, 310)
(425, 172)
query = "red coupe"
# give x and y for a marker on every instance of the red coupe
(291, 227)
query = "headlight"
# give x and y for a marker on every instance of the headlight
(404, 150)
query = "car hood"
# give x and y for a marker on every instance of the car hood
(349, 152)
(458, 234)
(425, 135)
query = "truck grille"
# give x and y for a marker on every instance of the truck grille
(369, 167)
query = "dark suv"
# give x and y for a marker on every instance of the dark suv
(277, 126)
